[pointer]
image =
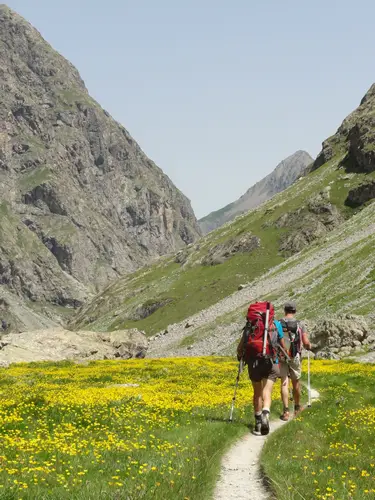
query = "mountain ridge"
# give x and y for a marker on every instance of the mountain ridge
(285, 173)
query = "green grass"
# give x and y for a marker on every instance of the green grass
(328, 453)
(72, 96)
(30, 180)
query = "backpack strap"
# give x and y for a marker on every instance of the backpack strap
(273, 339)
(299, 341)
(295, 338)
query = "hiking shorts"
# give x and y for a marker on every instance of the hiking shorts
(292, 370)
(260, 369)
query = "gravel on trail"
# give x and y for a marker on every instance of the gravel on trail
(240, 477)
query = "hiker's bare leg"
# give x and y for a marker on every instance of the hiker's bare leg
(258, 396)
(296, 392)
(285, 391)
(267, 393)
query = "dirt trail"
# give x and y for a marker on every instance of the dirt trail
(240, 476)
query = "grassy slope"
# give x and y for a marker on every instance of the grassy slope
(193, 287)
(328, 453)
(345, 283)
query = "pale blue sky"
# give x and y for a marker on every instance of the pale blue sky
(217, 92)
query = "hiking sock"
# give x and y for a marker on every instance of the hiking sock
(258, 423)
(285, 415)
(265, 425)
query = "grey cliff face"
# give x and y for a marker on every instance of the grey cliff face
(355, 138)
(80, 203)
(288, 171)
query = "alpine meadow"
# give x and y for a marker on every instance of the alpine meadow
(122, 374)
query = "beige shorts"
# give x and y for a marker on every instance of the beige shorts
(293, 369)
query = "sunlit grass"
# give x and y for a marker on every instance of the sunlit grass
(328, 452)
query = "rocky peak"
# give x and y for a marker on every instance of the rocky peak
(80, 203)
(286, 172)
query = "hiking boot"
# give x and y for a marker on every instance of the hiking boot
(265, 423)
(257, 427)
(297, 410)
(285, 416)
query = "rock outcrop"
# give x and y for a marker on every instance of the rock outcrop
(308, 223)
(355, 138)
(80, 203)
(60, 344)
(360, 195)
(244, 243)
(288, 171)
(341, 336)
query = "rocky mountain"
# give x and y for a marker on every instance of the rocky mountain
(283, 176)
(80, 203)
(313, 242)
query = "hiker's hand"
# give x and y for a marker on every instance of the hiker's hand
(308, 347)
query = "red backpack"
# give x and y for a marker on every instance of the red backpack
(255, 330)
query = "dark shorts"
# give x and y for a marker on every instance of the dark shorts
(260, 369)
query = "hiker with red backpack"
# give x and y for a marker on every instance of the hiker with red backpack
(295, 336)
(259, 349)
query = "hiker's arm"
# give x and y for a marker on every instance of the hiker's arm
(305, 341)
(282, 343)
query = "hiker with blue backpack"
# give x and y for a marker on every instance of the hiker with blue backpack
(259, 348)
(295, 336)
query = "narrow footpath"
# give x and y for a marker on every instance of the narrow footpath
(240, 476)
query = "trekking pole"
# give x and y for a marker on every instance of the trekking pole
(265, 336)
(308, 380)
(240, 368)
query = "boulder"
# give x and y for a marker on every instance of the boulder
(145, 310)
(361, 194)
(339, 336)
(60, 344)
(308, 223)
(243, 243)
(327, 355)
(370, 340)
(345, 351)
